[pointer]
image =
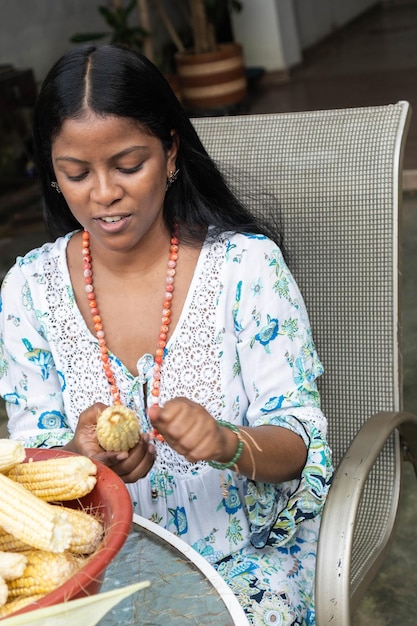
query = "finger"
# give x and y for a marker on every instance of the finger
(107, 458)
(135, 456)
(154, 413)
(131, 474)
(122, 456)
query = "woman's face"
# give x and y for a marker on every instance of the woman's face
(113, 175)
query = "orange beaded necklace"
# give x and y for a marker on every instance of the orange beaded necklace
(163, 331)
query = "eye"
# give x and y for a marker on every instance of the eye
(78, 177)
(130, 170)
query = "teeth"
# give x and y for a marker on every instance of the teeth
(110, 220)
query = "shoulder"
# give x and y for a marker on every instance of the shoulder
(242, 240)
(49, 250)
(247, 249)
(37, 259)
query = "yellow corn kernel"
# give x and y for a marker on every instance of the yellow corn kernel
(9, 543)
(87, 531)
(4, 592)
(43, 573)
(18, 603)
(63, 478)
(118, 428)
(30, 519)
(12, 565)
(11, 453)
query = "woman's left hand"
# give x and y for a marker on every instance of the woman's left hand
(271, 454)
(190, 430)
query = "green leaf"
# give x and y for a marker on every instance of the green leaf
(130, 7)
(108, 15)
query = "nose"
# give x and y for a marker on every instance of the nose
(105, 190)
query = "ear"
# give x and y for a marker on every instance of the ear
(172, 152)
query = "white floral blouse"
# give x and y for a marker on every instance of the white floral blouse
(242, 348)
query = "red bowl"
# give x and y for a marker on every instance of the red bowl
(111, 501)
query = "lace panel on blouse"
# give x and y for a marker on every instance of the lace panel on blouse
(192, 366)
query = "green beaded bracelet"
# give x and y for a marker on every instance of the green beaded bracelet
(232, 462)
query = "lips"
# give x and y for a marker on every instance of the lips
(113, 223)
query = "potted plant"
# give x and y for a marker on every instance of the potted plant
(120, 30)
(211, 74)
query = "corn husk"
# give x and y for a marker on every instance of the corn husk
(87, 611)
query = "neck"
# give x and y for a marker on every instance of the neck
(147, 255)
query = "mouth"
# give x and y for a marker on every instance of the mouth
(112, 223)
(111, 219)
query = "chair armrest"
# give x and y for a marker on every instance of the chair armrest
(334, 552)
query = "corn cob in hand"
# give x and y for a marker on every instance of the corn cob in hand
(118, 428)
(65, 478)
(11, 453)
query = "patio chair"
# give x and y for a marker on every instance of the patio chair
(337, 177)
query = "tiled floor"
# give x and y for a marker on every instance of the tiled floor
(373, 61)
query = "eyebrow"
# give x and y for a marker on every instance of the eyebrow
(120, 154)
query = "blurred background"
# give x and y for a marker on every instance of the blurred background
(283, 55)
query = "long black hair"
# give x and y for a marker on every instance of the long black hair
(113, 80)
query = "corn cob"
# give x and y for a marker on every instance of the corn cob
(30, 519)
(64, 478)
(18, 603)
(118, 428)
(9, 543)
(11, 453)
(87, 531)
(12, 565)
(44, 572)
(4, 592)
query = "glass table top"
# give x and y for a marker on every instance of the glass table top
(181, 590)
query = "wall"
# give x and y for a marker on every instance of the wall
(274, 33)
(265, 43)
(35, 34)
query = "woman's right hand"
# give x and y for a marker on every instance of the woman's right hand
(130, 466)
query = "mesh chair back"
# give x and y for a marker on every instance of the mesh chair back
(335, 175)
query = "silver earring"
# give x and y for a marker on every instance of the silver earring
(55, 185)
(172, 177)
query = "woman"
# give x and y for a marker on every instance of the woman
(163, 292)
